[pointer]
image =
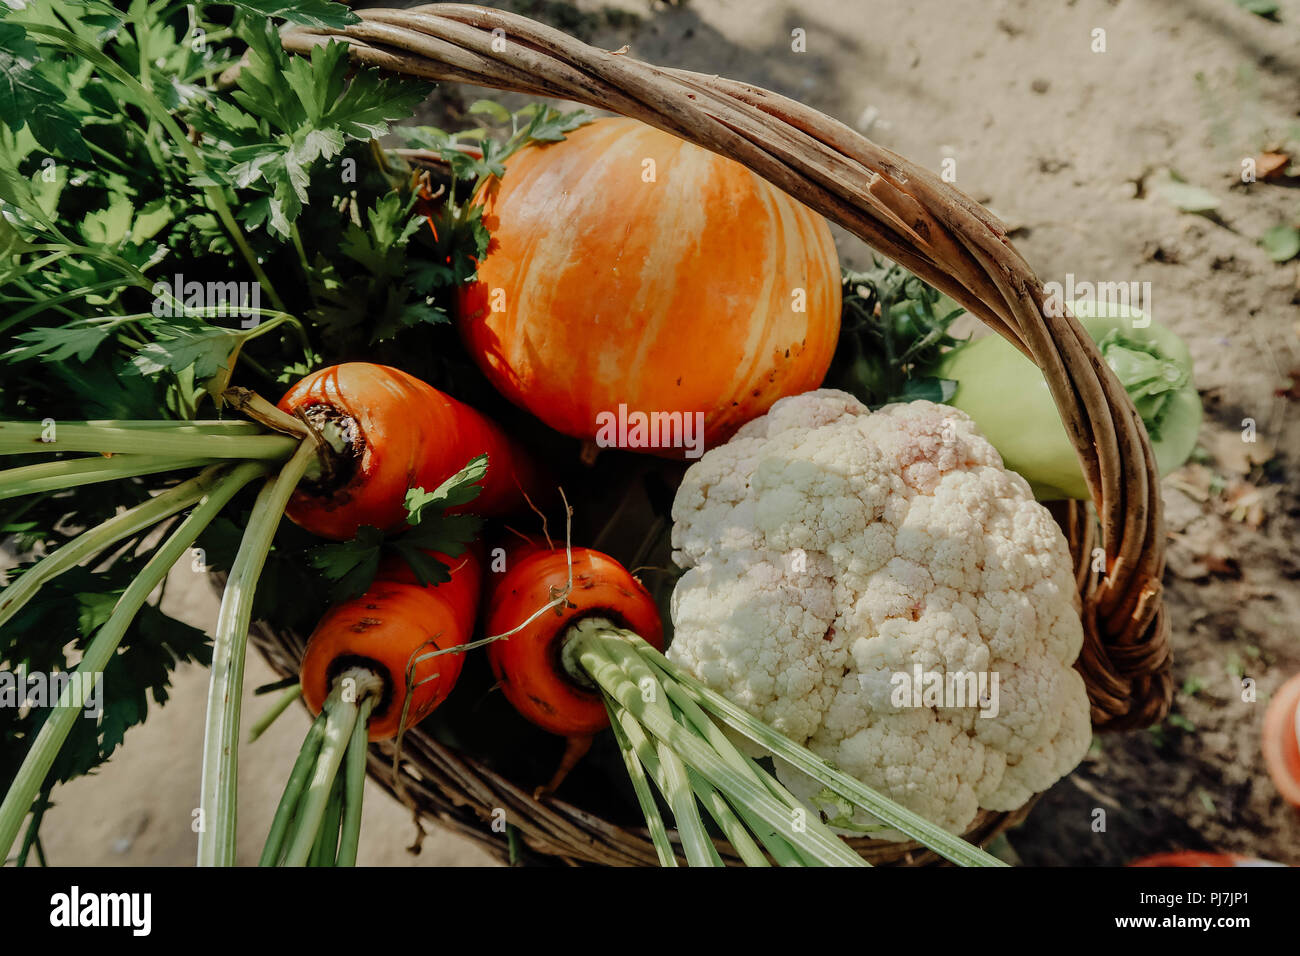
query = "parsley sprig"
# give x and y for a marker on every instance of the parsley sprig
(352, 565)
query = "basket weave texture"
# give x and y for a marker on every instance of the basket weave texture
(904, 212)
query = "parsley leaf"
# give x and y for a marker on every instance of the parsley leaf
(297, 113)
(79, 338)
(28, 96)
(448, 535)
(311, 13)
(205, 349)
(460, 489)
(352, 565)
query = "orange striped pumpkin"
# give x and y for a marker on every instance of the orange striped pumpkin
(630, 267)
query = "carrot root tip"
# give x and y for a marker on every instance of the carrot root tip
(575, 748)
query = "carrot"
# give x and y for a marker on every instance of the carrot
(1280, 740)
(390, 432)
(384, 629)
(371, 669)
(530, 665)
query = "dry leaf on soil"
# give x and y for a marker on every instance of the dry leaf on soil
(1271, 165)
(1238, 456)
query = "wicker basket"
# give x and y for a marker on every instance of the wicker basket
(901, 210)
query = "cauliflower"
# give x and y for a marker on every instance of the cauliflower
(834, 555)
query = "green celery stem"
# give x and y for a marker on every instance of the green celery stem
(595, 642)
(284, 811)
(75, 472)
(95, 540)
(340, 718)
(218, 790)
(100, 652)
(180, 441)
(282, 703)
(891, 814)
(325, 850)
(637, 772)
(354, 786)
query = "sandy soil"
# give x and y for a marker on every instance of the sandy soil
(1068, 146)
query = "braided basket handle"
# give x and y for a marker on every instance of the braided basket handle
(905, 212)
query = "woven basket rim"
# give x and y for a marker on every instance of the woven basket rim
(903, 211)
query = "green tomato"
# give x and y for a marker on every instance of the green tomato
(1007, 396)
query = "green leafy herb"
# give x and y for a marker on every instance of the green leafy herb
(460, 489)
(312, 13)
(893, 327)
(297, 114)
(352, 565)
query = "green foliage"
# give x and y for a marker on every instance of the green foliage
(73, 607)
(311, 13)
(893, 327)
(352, 565)
(124, 164)
(297, 115)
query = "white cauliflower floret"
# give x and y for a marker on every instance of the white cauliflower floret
(783, 681)
(831, 549)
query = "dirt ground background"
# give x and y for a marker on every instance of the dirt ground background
(1069, 146)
